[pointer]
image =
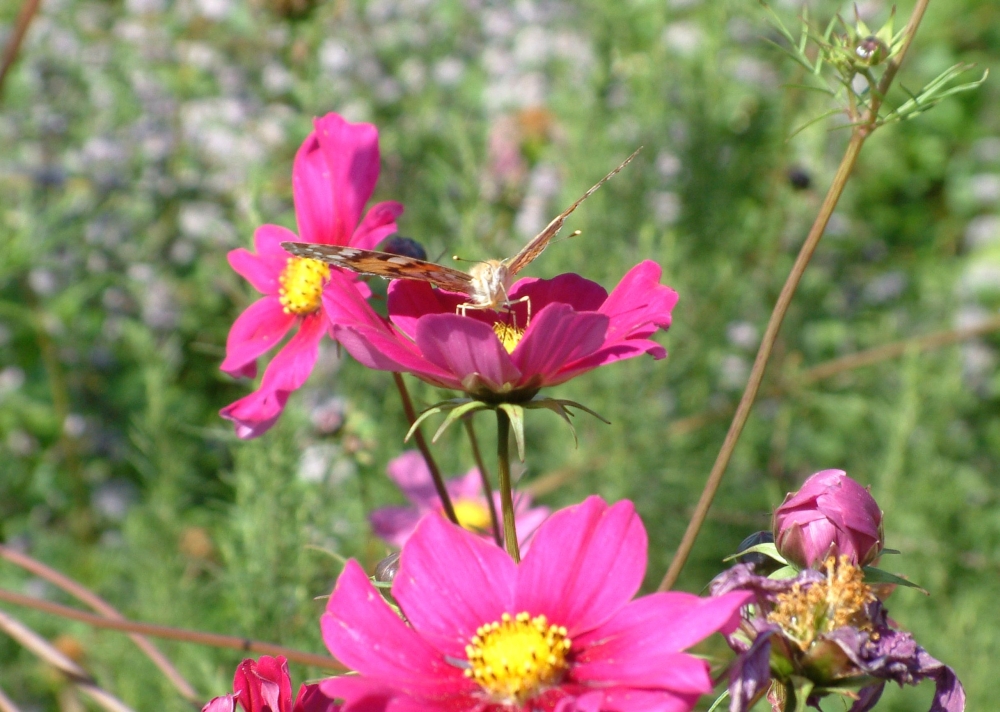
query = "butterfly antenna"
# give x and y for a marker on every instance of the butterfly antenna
(462, 259)
(575, 233)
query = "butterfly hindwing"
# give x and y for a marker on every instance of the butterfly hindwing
(383, 264)
(540, 241)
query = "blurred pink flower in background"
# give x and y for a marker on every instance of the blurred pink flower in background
(558, 631)
(410, 472)
(333, 177)
(575, 327)
(831, 515)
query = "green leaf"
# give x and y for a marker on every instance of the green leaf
(767, 549)
(874, 575)
(785, 572)
(802, 687)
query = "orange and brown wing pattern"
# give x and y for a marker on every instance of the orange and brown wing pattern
(383, 264)
(540, 241)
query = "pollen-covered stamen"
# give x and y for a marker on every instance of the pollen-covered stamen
(472, 515)
(840, 600)
(509, 335)
(518, 657)
(302, 283)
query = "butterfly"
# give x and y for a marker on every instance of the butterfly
(486, 285)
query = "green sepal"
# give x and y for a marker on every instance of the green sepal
(456, 414)
(516, 415)
(768, 549)
(802, 687)
(874, 575)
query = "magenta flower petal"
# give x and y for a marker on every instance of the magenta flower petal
(468, 349)
(557, 336)
(450, 582)
(225, 703)
(629, 699)
(333, 177)
(585, 563)
(639, 305)
(654, 628)
(408, 300)
(378, 224)
(258, 329)
(255, 414)
(569, 288)
(291, 366)
(264, 268)
(362, 632)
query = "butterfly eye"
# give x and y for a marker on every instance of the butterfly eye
(385, 570)
(405, 246)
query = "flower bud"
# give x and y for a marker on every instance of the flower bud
(832, 515)
(386, 569)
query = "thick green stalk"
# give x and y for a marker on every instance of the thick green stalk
(506, 493)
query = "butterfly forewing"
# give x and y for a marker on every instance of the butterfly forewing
(383, 264)
(540, 241)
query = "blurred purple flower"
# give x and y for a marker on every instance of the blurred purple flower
(831, 515)
(410, 472)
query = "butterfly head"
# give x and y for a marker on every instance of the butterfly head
(490, 284)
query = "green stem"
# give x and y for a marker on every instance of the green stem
(484, 476)
(411, 416)
(862, 131)
(506, 493)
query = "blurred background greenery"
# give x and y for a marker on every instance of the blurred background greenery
(143, 139)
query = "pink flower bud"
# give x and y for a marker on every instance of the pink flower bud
(832, 515)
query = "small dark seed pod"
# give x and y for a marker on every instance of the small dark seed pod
(385, 570)
(405, 246)
(755, 558)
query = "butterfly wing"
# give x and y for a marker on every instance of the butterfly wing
(540, 241)
(383, 264)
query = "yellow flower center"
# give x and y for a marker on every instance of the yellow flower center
(517, 658)
(825, 606)
(302, 283)
(510, 336)
(472, 515)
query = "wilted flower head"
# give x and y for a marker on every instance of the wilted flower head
(396, 524)
(820, 633)
(831, 515)
(558, 631)
(264, 686)
(333, 177)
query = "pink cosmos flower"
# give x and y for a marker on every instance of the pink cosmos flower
(557, 632)
(575, 326)
(831, 515)
(265, 686)
(396, 524)
(333, 177)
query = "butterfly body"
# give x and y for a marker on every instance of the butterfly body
(486, 285)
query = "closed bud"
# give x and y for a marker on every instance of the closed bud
(385, 570)
(405, 246)
(832, 515)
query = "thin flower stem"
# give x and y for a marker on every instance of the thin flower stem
(506, 493)
(7, 704)
(24, 18)
(182, 634)
(484, 475)
(90, 598)
(860, 132)
(411, 416)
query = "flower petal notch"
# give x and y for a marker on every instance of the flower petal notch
(552, 632)
(333, 177)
